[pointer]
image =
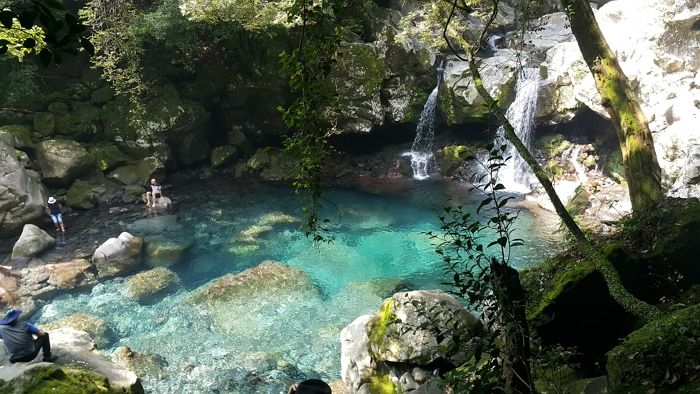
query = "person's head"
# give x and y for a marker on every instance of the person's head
(153, 181)
(52, 200)
(313, 386)
(10, 317)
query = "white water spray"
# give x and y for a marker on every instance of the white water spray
(421, 153)
(516, 176)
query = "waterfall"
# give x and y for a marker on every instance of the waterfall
(516, 176)
(573, 159)
(421, 153)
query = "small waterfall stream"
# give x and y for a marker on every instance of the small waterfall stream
(580, 170)
(421, 153)
(517, 176)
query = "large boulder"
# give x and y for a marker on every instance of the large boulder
(20, 135)
(95, 326)
(21, 193)
(660, 62)
(388, 351)
(118, 255)
(222, 155)
(459, 102)
(662, 356)
(410, 328)
(43, 280)
(62, 161)
(143, 364)
(80, 195)
(44, 123)
(78, 366)
(107, 156)
(182, 122)
(149, 286)
(138, 173)
(32, 242)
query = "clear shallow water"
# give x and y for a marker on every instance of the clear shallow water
(272, 337)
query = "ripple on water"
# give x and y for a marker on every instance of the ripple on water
(270, 336)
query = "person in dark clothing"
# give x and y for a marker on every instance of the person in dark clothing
(56, 215)
(19, 340)
(311, 386)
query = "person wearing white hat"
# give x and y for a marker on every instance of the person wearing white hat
(56, 215)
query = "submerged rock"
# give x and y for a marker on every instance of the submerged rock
(118, 255)
(162, 251)
(149, 286)
(143, 364)
(155, 225)
(32, 242)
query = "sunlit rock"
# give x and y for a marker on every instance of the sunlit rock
(96, 327)
(139, 173)
(118, 255)
(32, 242)
(62, 161)
(21, 193)
(78, 365)
(149, 286)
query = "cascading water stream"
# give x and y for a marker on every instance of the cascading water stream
(421, 153)
(580, 170)
(516, 176)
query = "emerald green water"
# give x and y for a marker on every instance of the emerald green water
(265, 340)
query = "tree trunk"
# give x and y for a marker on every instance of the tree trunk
(638, 155)
(510, 298)
(618, 292)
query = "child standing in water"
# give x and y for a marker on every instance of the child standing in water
(56, 215)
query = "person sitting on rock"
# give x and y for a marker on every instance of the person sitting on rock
(19, 341)
(155, 193)
(311, 386)
(56, 215)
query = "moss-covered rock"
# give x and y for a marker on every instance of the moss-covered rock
(222, 155)
(58, 108)
(62, 161)
(143, 364)
(569, 304)
(139, 173)
(80, 195)
(20, 135)
(271, 164)
(44, 123)
(107, 156)
(49, 379)
(162, 251)
(660, 357)
(102, 95)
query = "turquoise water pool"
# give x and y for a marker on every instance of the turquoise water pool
(262, 341)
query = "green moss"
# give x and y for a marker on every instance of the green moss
(377, 326)
(362, 69)
(80, 196)
(107, 156)
(555, 144)
(51, 379)
(662, 355)
(20, 134)
(382, 384)
(545, 283)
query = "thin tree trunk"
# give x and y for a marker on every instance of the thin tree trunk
(618, 292)
(638, 155)
(510, 297)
